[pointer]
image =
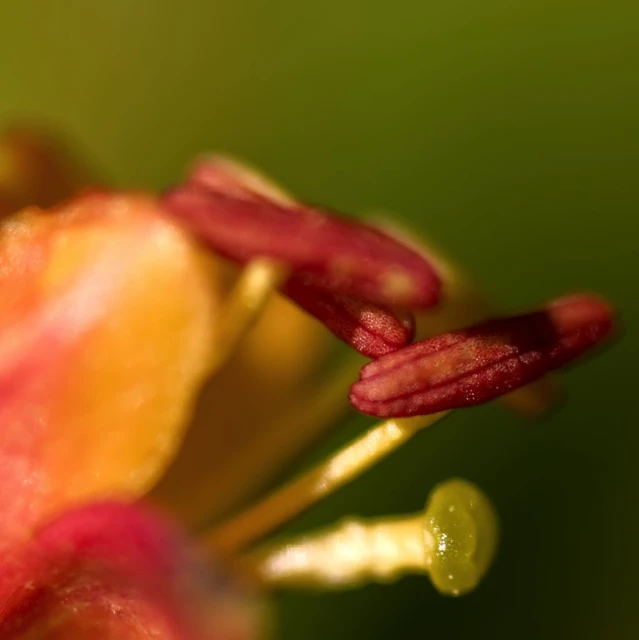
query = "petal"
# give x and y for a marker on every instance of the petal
(472, 366)
(111, 571)
(107, 315)
(334, 254)
(368, 328)
(37, 168)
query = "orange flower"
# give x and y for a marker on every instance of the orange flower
(134, 360)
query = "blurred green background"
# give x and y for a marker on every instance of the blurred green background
(510, 132)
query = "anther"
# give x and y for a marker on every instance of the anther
(480, 363)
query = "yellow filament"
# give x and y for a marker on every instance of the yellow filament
(311, 417)
(319, 482)
(250, 295)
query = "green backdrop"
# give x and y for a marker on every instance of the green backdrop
(508, 130)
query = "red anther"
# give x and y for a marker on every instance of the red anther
(333, 254)
(368, 328)
(475, 365)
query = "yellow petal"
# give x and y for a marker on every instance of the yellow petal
(107, 318)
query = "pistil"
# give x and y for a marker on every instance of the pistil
(452, 540)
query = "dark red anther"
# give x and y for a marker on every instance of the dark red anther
(333, 254)
(371, 329)
(368, 328)
(474, 365)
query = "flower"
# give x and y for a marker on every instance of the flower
(117, 308)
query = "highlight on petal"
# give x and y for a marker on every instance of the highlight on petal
(240, 220)
(37, 168)
(110, 571)
(107, 317)
(472, 366)
(370, 329)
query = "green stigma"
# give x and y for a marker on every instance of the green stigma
(464, 527)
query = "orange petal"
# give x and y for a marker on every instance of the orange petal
(107, 315)
(112, 571)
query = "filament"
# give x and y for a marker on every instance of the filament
(317, 483)
(245, 304)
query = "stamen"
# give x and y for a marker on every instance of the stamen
(317, 483)
(250, 295)
(465, 303)
(482, 362)
(453, 540)
(370, 329)
(334, 254)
